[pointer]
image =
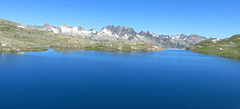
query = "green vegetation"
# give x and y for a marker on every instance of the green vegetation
(228, 48)
(124, 46)
(15, 37)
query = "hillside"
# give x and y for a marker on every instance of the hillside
(15, 37)
(228, 48)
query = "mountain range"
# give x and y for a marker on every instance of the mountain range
(112, 33)
(17, 38)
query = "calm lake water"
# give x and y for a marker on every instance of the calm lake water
(169, 79)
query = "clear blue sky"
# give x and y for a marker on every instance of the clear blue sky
(210, 18)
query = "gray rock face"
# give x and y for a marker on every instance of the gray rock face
(121, 31)
(112, 33)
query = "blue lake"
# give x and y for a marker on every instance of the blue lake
(169, 79)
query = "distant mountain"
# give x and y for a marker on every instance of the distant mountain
(15, 37)
(112, 33)
(228, 48)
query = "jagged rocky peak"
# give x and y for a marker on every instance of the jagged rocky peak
(149, 34)
(80, 28)
(121, 30)
(93, 30)
(183, 35)
(47, 25)
(142, 33)
(66, 26)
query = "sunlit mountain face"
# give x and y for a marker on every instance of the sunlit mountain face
(112, 33)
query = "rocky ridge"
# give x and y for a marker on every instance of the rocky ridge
(112, 33)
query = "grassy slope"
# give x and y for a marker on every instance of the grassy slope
(228, 48)
(17, 39)
(26, 39)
